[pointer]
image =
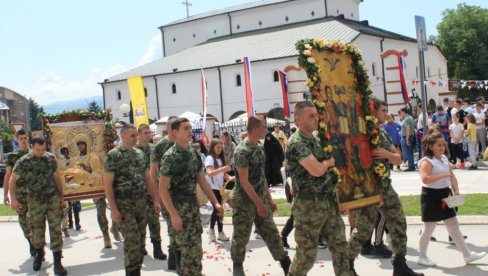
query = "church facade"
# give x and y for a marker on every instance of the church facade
(266, 32)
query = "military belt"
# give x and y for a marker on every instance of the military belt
(128, 195)
(313, 196)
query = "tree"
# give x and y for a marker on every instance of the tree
(463, 37)
(7, 134)
(94, 107)
(36, 112)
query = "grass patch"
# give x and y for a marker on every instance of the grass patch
(6, 210)
(476, 204)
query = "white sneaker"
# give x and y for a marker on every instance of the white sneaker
(425, 261)
(257, 236)
(222, 236)
(211, 235)
(474, 257)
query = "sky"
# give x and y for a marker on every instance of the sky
(56, 49)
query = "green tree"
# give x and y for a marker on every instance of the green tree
(7, 134)
(36, 112)
(94, 107)
(463, 37)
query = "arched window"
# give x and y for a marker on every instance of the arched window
(373, 69)
(439, 73)
(238, 80)
(417, 71)
(428, 72)
(119, 95)
(173, 88)
(145, 92)
(276, 76)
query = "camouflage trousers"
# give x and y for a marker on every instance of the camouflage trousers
(133, 228)
(244, 215)
(101, 214)
(40, 210)
(189, 240)
(153, 221)
(395, 221)
(24, 221)
(167, 218)
(314, 218)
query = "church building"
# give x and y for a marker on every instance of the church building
(266, 32)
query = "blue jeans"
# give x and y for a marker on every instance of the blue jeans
(408, 151)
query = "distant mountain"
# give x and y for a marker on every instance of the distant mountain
(72, 104)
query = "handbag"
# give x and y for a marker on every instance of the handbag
(454, 201)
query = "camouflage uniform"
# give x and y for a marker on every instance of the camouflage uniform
(315, 209)
(249, 156)
(128, 167)
(43, 198)
(11, 159)
(101, 205)
(392, 209)
(182, 167)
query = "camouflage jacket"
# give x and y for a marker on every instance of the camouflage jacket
(182, 167)
(128, 167)
(37, 174)
(147, 152)
(251, 157)
(160, 149)
(387, 144)
(299, 147)
(10, 161)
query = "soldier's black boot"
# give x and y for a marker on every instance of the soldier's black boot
(178, 262)
(351, 267)
(32, 250)
(38, 258)
(135, 272)
(285, 264)
(171, 259)
(400, 267)
(58, 266)
(238, 270)
(157, 251)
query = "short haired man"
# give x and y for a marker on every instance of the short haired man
(157, 154)
(145, 135)
(181, 169)
(126, 178)
(39, 171)
(408, 136)
(22, 195)
(315, 207)
(252, 200)
(391, 206)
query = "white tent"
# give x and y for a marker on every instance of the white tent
(241, 120)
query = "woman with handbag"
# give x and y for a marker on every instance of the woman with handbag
(438, 179)
(216, 173)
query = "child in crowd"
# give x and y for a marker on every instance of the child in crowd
(438, 179)
(456, 130)
(470, 132)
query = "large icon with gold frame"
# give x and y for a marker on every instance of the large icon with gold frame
(338, 83)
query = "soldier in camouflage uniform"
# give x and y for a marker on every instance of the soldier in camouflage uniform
(38, 170)
(391, 207)
(181, 169)
(252, 201)
(12, 158)
(152, 217)
(315, 207)
(156, 156)
(126, 179)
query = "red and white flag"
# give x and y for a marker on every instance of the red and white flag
(248, 86)
(204, 100)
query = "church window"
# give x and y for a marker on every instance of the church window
(373, 69)
(238, 27)
(238, 80)
(119, 95)
(428, 72)
(276, 76)
(145, 92)
(312, 13)
(215, 31)
(439, 73)
(173, 88)
(260, 23)
(352, 14)
(174, 39)
(194, 35)
(337, 11)
(287, 18)
(417, 71)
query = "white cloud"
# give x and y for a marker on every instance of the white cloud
(150, 54)
(52, 86)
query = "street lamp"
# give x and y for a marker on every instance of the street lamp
(125, 109)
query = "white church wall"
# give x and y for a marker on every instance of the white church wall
(349, 8)
(275, 15)
(182, 36)
(371, 49)
(111, 91)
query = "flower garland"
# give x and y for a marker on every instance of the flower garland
(313, 82)
(109, 132)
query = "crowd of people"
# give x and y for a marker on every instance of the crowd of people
(143, 180)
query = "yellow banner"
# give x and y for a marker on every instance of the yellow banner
(138, 99)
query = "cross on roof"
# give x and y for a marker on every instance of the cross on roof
(187, 4)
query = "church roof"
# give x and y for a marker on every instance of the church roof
(226, 10)
(267, 44)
